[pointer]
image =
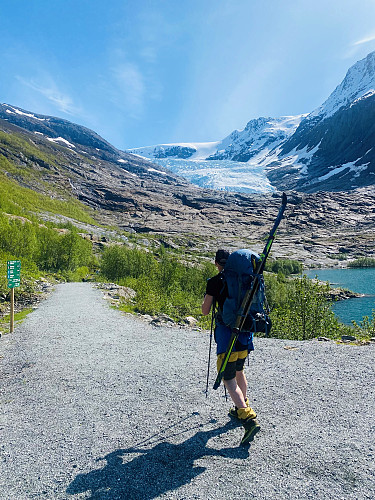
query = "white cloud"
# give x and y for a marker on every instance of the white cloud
(368, 39)
(356, 46)
(50, 91)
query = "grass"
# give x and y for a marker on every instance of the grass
(12, 195)
(18, 319)
(16, 143)
(20, 200)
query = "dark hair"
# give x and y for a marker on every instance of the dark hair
(221, 257)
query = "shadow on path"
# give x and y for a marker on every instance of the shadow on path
(135, 473)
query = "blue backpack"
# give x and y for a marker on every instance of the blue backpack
(239, 274)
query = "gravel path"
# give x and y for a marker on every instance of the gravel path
(97, 404)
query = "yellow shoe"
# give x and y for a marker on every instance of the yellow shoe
(246, 413)
(233, 412)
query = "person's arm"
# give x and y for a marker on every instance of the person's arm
(207, 304)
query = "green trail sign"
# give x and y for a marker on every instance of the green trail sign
(14, 280)
(14, 273)
(14, 283)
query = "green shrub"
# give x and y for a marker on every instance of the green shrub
(277, 290)
(304, 312)
(366, 327)
(47, 248)
(362, 262)
(163, 284)
(285, 266)
(299, 306)
(78, 275)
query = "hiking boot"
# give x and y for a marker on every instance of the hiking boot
(233, 412)
(251, 427)
(249, 413)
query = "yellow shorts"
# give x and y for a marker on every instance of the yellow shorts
(235, 363)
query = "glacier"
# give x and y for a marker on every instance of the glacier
(221, 175)
(237, 163)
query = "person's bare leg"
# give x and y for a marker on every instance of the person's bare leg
(244, 412)
(242, 383)
(235, 393)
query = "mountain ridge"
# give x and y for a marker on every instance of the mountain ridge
(333, 143)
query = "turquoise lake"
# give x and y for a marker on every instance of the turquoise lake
(358, 280)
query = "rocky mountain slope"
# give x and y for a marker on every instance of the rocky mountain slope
(330, 149)
(135, 195)
(333, 148)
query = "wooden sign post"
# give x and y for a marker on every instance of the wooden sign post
(14, 280)
(11, 329)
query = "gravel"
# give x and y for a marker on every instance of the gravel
(99, 404)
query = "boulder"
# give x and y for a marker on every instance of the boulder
(348, 338)
(162, 320)
(190, 321)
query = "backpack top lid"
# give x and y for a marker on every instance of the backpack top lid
(242, 262)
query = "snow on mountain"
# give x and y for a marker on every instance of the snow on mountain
(61, 140)
(193, 151)
(358, 83)
(11, 110)
(58, 129)
(257, 139)
(333, 147)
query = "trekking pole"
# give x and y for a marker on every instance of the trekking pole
(209, 351)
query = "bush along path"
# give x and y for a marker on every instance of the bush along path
(98, 404)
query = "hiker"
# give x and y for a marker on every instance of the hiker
(234, 376)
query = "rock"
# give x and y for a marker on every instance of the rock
(157, 322)
(324, 339)
(162, 320)
(166, 318)
(372, 339)
(126, 293)
(17, 217)
(348, 338)
(190, 321)
(169, 244)
(108, 286)
(342, 294)
(147, 317)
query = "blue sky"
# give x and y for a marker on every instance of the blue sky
(142, 72)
